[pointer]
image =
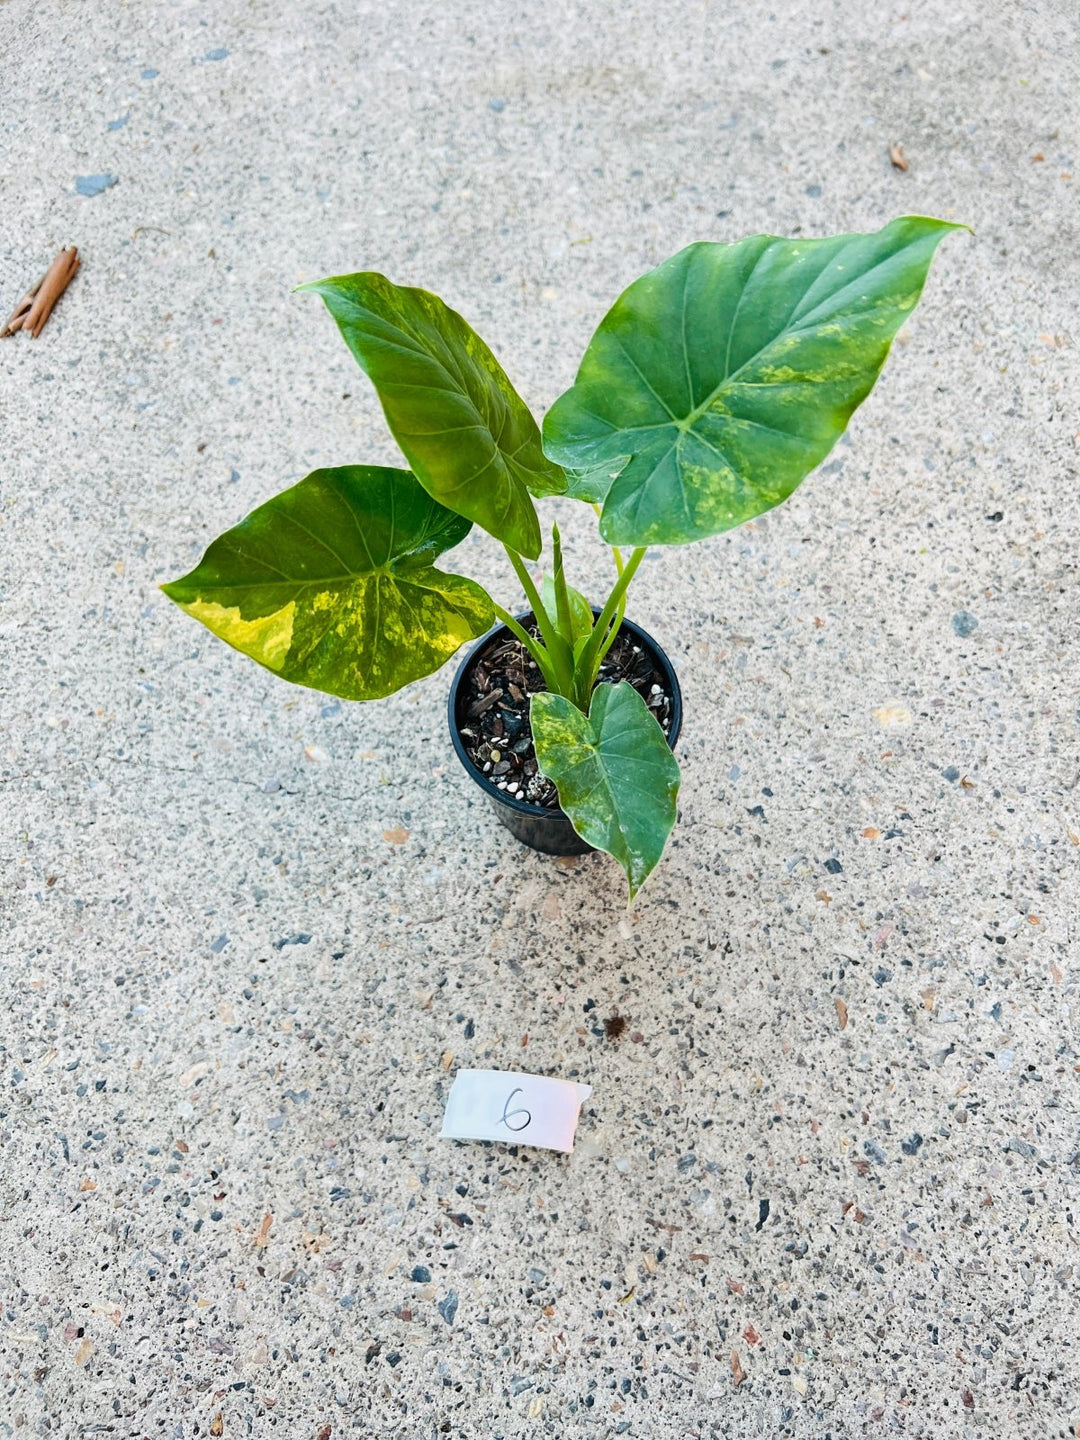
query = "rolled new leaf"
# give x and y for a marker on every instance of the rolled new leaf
(729, 372)
(331, 584)
(466, 433)
(582, 618)
(616, 776)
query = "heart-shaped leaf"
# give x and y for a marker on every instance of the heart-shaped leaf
(331, 584)
(467, 434)
(729, 372)
(616, 776)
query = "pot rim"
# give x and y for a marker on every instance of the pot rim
(526, 807)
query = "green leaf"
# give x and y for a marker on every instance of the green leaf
(593, 483)
(579, 646)
(331, 584)
(466, 433)
(729, 372)
(616, 776)
(581, 615)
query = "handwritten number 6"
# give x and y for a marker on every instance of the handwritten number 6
(508, 1115)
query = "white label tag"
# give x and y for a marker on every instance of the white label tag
(519, 1109)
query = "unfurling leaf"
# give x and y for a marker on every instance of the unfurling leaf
(331, 584)
(730, 371)
(466, 433)
(581, 612)
(616, 776)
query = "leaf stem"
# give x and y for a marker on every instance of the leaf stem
(615, 551)
(589, 663)
(609, 638)
(535, 649)
(558, 650)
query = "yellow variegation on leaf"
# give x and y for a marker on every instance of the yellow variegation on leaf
(616, 776)
(331, 584)
(729, 372)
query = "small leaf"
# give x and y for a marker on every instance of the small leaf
(616, 776)
(331, 584)
(466, 433)
(581, 615)
(729, 372)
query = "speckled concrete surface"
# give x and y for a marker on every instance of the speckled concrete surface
(248, 933)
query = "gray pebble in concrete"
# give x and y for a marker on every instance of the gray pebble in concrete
(94, 184)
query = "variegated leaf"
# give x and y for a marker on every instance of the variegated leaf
(729, 372)
(616, 776)
(331, 584)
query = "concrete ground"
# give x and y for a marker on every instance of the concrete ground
(825, 1185)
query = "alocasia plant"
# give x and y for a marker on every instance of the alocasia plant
(711, 388)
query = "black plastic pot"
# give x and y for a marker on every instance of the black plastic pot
(535, 825)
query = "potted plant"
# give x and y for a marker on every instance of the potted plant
(711, 388)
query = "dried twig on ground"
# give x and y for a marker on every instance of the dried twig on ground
(37, 304)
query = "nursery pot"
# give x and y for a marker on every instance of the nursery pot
(535, 825)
